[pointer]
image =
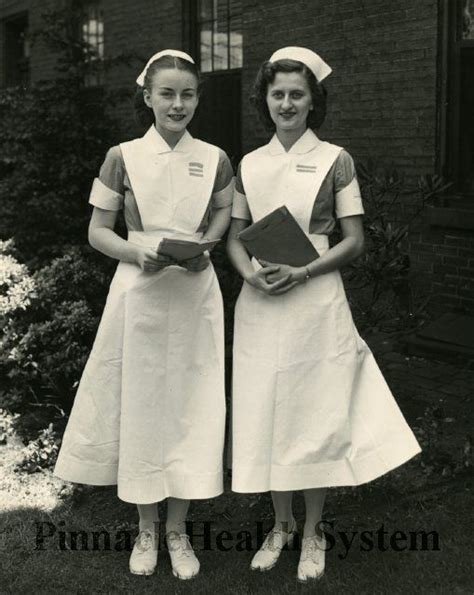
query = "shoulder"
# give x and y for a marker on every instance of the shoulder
(114, 154)
(344, 158)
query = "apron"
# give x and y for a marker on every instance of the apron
(149, 414)
(310, 406)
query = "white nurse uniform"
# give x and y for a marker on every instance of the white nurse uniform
(149, 414)
(310, 405)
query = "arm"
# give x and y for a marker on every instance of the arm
(103, 238)
(218, 224)
(349, 248)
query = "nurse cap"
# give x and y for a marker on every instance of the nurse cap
(309, 58)
(175, 53)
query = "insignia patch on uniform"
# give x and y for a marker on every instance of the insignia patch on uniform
(306, 169)
(196, 169)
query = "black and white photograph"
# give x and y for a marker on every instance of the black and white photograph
(236, 296)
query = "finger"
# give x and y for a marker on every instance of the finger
(284, 289)
(280, 283)
(270, 269)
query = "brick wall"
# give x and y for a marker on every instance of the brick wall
(140, 29)
(382, 92)
(445, 258)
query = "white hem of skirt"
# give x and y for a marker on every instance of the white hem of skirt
(143, 490)
(345, 472)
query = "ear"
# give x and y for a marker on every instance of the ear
(146, 97)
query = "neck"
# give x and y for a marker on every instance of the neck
(171, 138)
(289, 137)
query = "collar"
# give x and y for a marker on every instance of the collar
(159, 145)
(306, 143)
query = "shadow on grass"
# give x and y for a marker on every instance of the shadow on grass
(45, 551)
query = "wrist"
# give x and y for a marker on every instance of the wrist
(134, 253)
(302, 274)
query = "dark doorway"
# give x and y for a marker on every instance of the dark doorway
(214, 32)
(458, 98)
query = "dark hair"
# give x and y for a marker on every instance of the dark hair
(144, 114)
(266, 75)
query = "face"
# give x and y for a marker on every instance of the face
(173, 99)
(289, 101)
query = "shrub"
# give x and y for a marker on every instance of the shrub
(53, 137)
(16, 285)
(44, 348)
(381, 282)
(40, 453)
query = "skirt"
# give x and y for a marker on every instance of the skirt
(310, 406)
(149, 414)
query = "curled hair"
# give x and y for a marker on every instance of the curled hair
(266, 75)
(143, 114)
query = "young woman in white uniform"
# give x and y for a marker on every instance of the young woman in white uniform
(310, 406)
(149, 414)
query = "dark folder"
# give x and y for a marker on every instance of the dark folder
(184, 249)
(278, 238)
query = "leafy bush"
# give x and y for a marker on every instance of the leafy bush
(53, 137)
(44, 348)
(381, 282)
(16, 285)
(40, 453)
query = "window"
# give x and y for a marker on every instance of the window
(458, 94)
(92, 33)
(219, 32)
(17, 51)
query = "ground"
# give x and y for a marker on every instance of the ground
(430, 495)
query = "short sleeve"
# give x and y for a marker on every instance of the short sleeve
(224, 183)
(108, 189)
(348, 200)
(240, 207)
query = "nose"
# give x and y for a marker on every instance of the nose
(177, 103)
(286, 102)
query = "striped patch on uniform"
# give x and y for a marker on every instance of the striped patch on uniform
(196, 169)
(306, 169)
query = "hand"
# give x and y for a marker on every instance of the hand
(196, 264)
(293, 276)
(259, 280)
(150, 261)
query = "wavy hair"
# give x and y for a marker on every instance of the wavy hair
(266, 75)
(144, 114)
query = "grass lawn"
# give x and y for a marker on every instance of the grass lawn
(433, 492)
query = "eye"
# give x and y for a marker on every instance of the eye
(277, 94)
(297, 94)
(188, 95)
(166, 93)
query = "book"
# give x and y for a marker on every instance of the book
(184, 249)
(278, 238)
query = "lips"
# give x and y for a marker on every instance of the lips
(176, 117)
(288, 114)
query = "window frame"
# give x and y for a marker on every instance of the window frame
(449, 91)
(191, 35)
(94, 73)
(20, 80)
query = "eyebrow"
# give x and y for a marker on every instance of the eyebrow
(171, 89)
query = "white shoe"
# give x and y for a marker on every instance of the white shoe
(184, 563)
(145, 553)
(271, 548)
(312, 559)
